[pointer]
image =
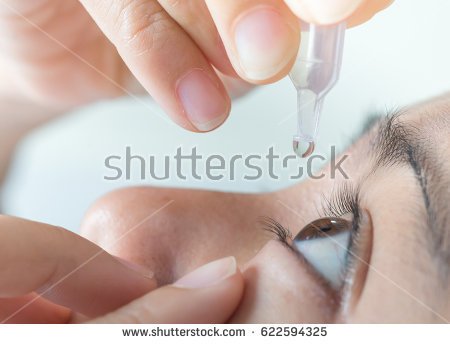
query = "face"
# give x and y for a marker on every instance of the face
(371, 248)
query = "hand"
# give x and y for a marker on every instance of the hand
(50, 275)
(66, 53)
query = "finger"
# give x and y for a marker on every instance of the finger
(367, 10)
(65, 268)
(195, 19)
(236, 87)
(165, 60)
(333, 11)
(207, 295)
(261, 37)
(32, 309)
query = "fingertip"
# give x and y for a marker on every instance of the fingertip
(266, 44)
(209, 274)
(141, 274)
(323, 12)
(282, 73)
(236, 86)
(367, 11)
(219, 283)
(205, 101)
(209, 294)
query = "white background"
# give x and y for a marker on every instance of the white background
(112, 334)
(400, 57)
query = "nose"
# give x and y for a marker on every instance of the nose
(171, 232)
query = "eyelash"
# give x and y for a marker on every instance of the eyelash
(345, 200)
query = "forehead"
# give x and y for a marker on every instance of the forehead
(432, 119)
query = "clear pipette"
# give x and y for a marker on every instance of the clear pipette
(315, 72)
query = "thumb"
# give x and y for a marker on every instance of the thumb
(209, 294)
(333, 11)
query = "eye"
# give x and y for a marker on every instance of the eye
(324, 244)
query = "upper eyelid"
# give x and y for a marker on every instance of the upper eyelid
(344, 200)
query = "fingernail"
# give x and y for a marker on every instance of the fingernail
(206, 106)
(142, 270)
(264, 43)
(331, 11)
(209, 274)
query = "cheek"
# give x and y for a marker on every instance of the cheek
(279, 289)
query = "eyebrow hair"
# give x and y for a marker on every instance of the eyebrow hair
(401, 143)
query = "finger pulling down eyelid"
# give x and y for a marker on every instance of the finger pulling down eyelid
(276, 278)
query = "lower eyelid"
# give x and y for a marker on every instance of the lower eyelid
(309, 269)
(356, 273)
(359, 264)
(292, 280)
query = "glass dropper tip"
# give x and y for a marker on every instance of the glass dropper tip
(303, 148)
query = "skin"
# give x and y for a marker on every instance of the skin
(72, 280)
(61, 54)
(56, 55)
(403, 284)
(164, 234)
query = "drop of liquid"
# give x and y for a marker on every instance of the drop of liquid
(303, 148)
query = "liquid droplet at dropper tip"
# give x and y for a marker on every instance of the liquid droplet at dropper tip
(303, 149)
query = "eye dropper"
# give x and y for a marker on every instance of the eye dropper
(314, 74)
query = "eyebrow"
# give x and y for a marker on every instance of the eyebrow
(401, 143)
